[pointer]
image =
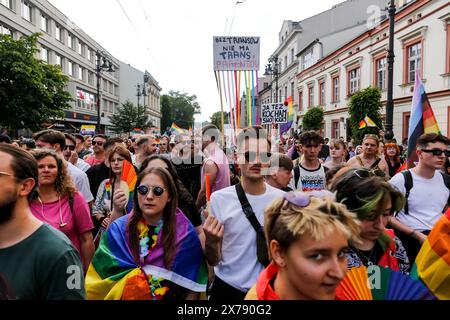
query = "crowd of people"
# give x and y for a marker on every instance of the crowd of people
(260, 220)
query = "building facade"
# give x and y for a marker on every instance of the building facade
(422, 44)
(63, 43)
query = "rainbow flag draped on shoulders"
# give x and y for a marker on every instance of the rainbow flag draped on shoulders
(432, 264)
(422, 120)
(115, 275)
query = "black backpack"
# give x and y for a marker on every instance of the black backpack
(409, 184)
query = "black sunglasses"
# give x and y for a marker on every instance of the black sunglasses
(100, 143)
(364, 173)
(157, 191)
(437, 152)
(251, 156)
(71, 148)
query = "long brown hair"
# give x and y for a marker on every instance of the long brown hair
(64, 185)
(169, 219)
(122, 151)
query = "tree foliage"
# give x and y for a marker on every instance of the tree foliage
(216, 119)
(128, 117)
(363, 103)
(32, 92)
(179, 108)
(313, 118)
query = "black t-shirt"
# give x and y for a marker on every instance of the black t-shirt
(96, 175)
(190, 174)
(44, 266)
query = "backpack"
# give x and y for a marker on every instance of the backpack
(409, 184)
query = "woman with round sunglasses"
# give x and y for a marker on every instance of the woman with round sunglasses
(374, 201)
(110, 197)
(151, 254)
(60, 205)
(308, 234)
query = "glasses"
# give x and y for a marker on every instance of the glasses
(362, 173)
(437, 152)
(251, 156)
(303, 199)
(157, 191)
(71, 148)
(6, 174)
(99, 143)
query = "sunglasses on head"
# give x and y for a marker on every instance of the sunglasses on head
(364, 173)
(100, 143)
(251, 156)
(437, 152)
(157, 191)
(71, 148)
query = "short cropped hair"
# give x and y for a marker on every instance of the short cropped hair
(282, 161)
(51, 136)
(310, 137)
(110, 142)
(100, 136)
(70, 137)
(79, 137)
(211, 131)
(425, 139)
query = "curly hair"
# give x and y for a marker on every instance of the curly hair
(64, 185)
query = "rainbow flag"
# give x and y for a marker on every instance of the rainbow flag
(286, 126)
(366, 122)
(115, 275)
(432, 264)
(176, 129)
(422, 120)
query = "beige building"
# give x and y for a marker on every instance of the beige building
(422, 44)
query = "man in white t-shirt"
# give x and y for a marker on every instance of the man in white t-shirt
(428, 196)
(230, 237)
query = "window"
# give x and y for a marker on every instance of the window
(80, 73)
(322, 93)
(44, 54)
(90, 78)
(380, 73)
(110, 106)
(354, 80)
(310, 96)
(335, 81)
(335, 129)
(6, 3)
(292, 55)
(44, 23)
(85, 100)
(292, 90)
(105, 105)
(70, 68)
(26, 11)
(448, 47)
(405, 127)
(105, 85)
(89, 53)
(70, 41)
(5, 30)
(58, 32)
(308, 60)
(285, 93)
(58, 60)
(300, 100)
(414, 60)
(285, 62)
(80, 48)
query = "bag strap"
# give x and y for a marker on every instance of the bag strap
(247, 208)
(375, 164)
(447, 184)
(408, 186)
(296, 176)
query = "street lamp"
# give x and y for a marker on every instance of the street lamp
(99, 67)
(389, 134)
(273, 69)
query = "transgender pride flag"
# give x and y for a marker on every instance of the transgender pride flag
(422, 120)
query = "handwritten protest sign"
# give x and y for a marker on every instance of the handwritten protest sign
(236, 53)
(274, 113)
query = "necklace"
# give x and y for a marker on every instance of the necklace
(368, 259)
(62, 224)
(157, 290)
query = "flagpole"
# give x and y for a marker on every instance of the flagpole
(389, 135)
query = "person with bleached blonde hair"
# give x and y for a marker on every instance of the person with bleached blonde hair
(308, 236)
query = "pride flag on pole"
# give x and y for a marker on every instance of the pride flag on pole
(176, 129)
(422, 120)
(432, 264)
(286, 126)
(366, 122)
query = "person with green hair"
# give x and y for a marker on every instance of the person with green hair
(374, 201)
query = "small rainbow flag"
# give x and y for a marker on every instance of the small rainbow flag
(433, 261)
(422, 120)
(176, 129)
(366, 122)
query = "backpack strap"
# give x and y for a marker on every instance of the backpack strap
(247, 208)
(408, 186)
(447, 184)
(375, 164)
(296, 176)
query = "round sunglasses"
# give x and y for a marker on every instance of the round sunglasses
(144, 189)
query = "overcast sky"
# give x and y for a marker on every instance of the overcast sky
(173, 39)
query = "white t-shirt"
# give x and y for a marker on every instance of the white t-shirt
(81, 181)
(309, 180)
(82, 165)
(239, 266)
(426, 200)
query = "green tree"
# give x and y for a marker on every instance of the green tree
(182, 108)
(32, 91)
(313, 118)
(216, 119)
(128, 117)
(363, 103)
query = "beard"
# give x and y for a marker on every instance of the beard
(7, 209)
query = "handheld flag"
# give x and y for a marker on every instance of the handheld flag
(286, 126)
(422, 120)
